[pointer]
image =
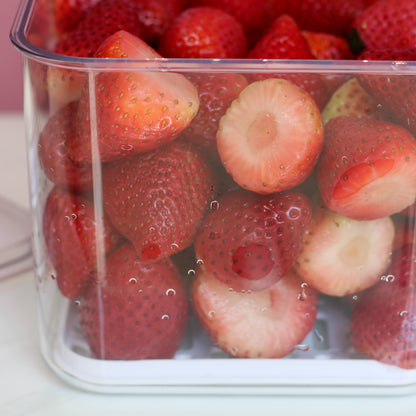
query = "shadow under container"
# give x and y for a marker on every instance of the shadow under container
(324, 361)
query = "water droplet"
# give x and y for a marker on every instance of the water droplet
(132, 280)
(388, 278)
(174, 246)
(302, 294)
(74, 216)
(126, 147)
(171, 292)
(77, 303)
(355, 298)
(139, 290)
(165, 316)
(214, 205)
(53, 277)
(191, 272)
(211, 314)
(152, 229)
(234, 350)
(200, 262)
(403, 313)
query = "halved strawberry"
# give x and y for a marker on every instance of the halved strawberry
(351, 99)
(341, 255)
(271, 137)
(136, 309)
(266, 324)
(250, 241)
(367, 168)
(382, 323)
(53, 155)
(76, 239)
(137, 111)
(157, 199)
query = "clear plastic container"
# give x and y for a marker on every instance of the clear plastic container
(322, 361)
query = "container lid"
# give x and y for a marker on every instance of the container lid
(15, 239)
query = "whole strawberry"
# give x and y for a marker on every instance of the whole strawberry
(367, 168)
(157, 199)
(75, 239)
(382, 324)
(385, 24)
(396, 93)
(68, 13)
(137, 111)
(216, 92)
(330, 16)
(203, 32)
(53, 155)
(250, 241)
(284, 40)
(135, 310)
(155, 16)
(254, 16)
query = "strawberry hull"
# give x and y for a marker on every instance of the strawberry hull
(251, 213)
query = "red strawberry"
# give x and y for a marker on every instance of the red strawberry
(270, 138)
(99, 22)
(382, 324)
(216, 92)
(250, 241)
(157, 199)
(68, 13)
(327, 46)
(137, 310)
(385, 24)
(75, 239)
(53, 156)
(136, 111)
(395, 92)
(367, 168)
(341, 256)
(266, 324)
(329, 16)
(155, 16)
(203, 32)
(284, 40)
(255, 16)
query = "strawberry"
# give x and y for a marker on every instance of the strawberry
(271, 137)
(203, 32)
(155, 16)
(253, 15)
(329, 16)
(395, 92)
(157, 199)
(382, 324)
(250, 241)
(385, 24)
(75, 239)
(137, 310)
(53, 155)
(98, 23)
(367, 168)
(340, 255)
(266, 324)
(327, 46)
(351, 99)
(284, 40)
(68, 13)
(216, 92)
(136, 111)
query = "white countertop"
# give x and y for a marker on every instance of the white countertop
(29, 387)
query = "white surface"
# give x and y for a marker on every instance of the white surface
(29, 387)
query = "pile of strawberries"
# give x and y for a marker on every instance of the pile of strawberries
(238, 197)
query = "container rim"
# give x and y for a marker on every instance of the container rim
(21, 42)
